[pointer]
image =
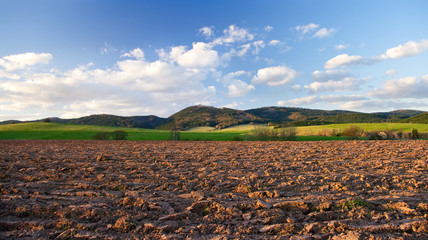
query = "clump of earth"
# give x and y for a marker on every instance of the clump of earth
(213, 190)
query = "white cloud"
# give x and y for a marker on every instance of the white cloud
(238, 88)
(331, 99)
(207, 31)
(324, 32)
(136, 53)
(274, 42)
(232, 76)
(235, 86)
(131, 87)
(107, 49)
(341, 46)
(409, 87)
(298, 101)
(4, 74)
(21, 61)
(330, 75)
(268, 28)
(347, 84)
(234, 34)
(337, 99)
(391, 72)
(232, 105)
(200, 56)
(408, 49)
(274, 76)
(343, 59)
(381, 105)
(306, 28)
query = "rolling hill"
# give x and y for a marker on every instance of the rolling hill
(197, 116)
(421, 118)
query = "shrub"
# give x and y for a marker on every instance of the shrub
(101, 136)
(237, 138)
(352, 132)
(279, 134)
(415, 134)
(119, 135)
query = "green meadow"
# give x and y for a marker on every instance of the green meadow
(51, 131)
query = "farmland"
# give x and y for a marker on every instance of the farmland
(206, 190)
(52, 131)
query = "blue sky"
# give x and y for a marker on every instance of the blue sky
(80, 57)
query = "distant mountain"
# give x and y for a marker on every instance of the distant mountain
(288, 114)
(10, 122)
(305, 117)
(196, 116)
(118, 121)
(421, 118)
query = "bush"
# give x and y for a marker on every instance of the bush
(278, 134)
(415, 134)
(119, 135)
(101, 136)
(352, 132)
(383, 135)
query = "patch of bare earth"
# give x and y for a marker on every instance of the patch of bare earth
(213, 190)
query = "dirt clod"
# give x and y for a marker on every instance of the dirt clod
(213, 190)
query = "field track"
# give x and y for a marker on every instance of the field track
(213, 190)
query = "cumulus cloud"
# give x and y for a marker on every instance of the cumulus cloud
(136, 53)
(330, 75)
(391, 72)
(274, 42)
(324, 32)
(200, 56)
(342, 60)
(234, 34)
(298, 101)
(347, 84)
(408, 49)
(238, 88)
(331, 99)
(306, 28)
(377, 105)
(235, 86)
(268, 28)
(341, 46)
(21, 61)
(131, 87)
(333, 80)
(274, 76)
(409, 87)
(207, 31)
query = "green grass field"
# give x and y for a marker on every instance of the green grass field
(50, 131)
(367, 127)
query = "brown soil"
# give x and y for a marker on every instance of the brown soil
(213, 190)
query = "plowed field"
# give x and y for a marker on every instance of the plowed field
(213, 190)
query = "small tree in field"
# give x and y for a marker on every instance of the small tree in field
(352, 132)
(119, 135)
(101, 136)
(415, 134)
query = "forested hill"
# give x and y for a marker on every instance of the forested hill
(421, 118)
(196, 116)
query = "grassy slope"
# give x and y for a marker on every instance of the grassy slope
(404, 127)
(46, 131)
